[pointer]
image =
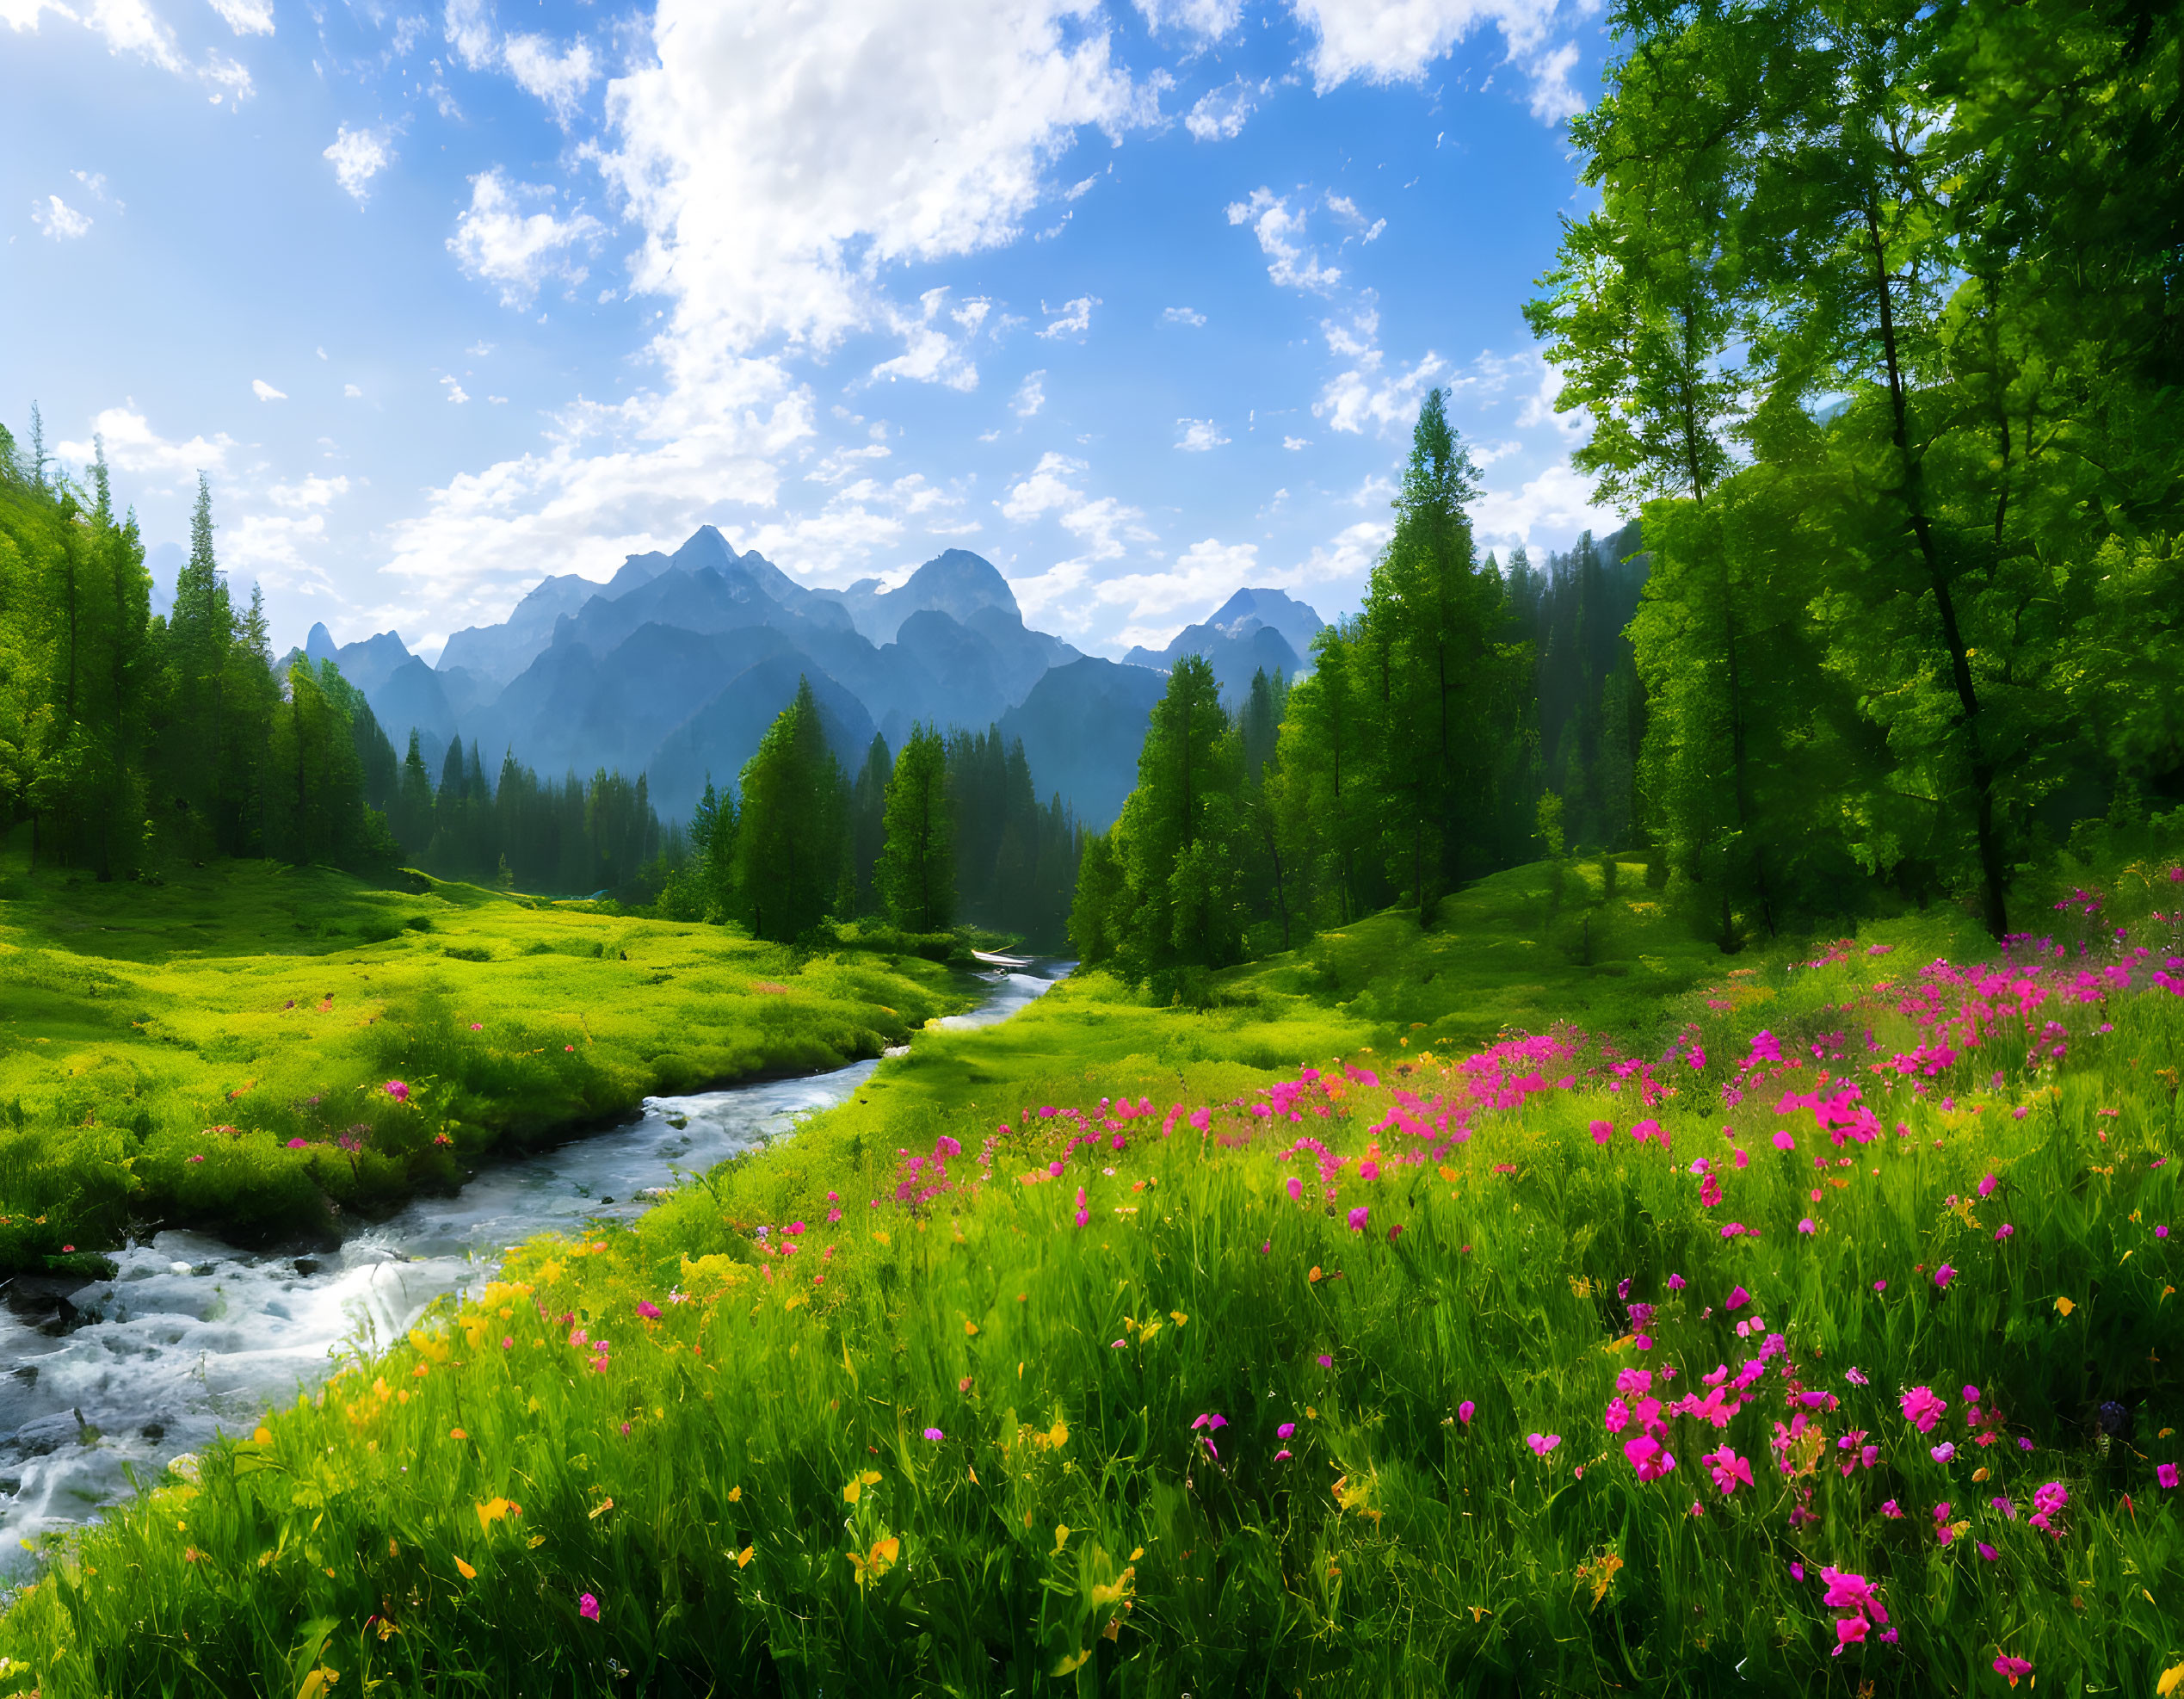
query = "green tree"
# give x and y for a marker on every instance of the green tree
(916, 873)
(792, 838)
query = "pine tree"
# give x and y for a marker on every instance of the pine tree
(915, 873)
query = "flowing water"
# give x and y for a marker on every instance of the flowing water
(192, 1337)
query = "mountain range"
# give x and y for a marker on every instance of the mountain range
(677, 665)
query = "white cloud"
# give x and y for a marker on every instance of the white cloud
(349, 391)
(1211, 19)
(1220, 114)
(1545, 511)
(312, 491)
(1281, 232)
(132, 445)
(557, 79)
(497, 243)
(132, 26)
(929, 354)
(1347, 558)
(1030, 396)
(1394, 41)
(1046, 488)
(456, 393)
(94, 184)
(58, 219)
(246, 17)
(1200, 579)
(1074, 319)
(470, 32)
(1293, 443)
(1364, 395)
(1182, 315)
(1197, 435)
(266, 391)
(358, 155)
(1346, 209)
(862, 136)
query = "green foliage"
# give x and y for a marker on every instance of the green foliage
(235, 1009)
(724, 1442)
(791, 836)
(915, 874)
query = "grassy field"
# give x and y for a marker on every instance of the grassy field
(1785, 1324)
(217, 1052)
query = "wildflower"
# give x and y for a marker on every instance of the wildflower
(1943, 1453)
(1602, 1131)
(1295, 1189)
(1325, 1361)
(1541, 1444)
(1943, 1276)
(1806, 1225)
(1083, 1215)
(1987, 1185)
(1710, 1191)
(2165, 1473)
(1987, 1552)
(1922, 1407)
(935, 1435)
(1285, 1430)
(1282, 1456)
(397, 1090)
(1849, 1631)
(588, 1607)
(1847, 1591)
(1648, 1457)
(2012, 1667)
(1675, 1282)
(1727, 1469)
(1358, 1217)
(1463, 1415)
(295, 1144)
(648, 1309)
(1892, 1510)
(1738, 1297)
(2004, 1232)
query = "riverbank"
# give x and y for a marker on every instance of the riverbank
(262, 1053)
(1091, 1351)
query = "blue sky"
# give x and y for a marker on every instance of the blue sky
(1136, 300)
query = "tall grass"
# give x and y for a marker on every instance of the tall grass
(895, 1406)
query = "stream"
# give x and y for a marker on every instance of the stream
(192, 1338)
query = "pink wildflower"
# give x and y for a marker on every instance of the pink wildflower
(1727, 1469)
(2012, 1667)
(397, 1090)
(2165, 1473)
(1943, 1276)
(1358, 1218)
(588, 1607)
(1922, 1407)
(1541, 1444)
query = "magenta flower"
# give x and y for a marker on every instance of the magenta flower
(2165, 1473)
(648, 1309)
(1987, 1552)
(1727, 1469)
(935, 1435)
(1083, 1215)
(1922, 1407)
(1210, 1422)
(1281, 1457)
(1710, 1191)
(1987, 1185)
(1285, 1430)
(1738, 1297)
(1296, 1188)
(1602, 1131)
(1892, 1510)
(1464, 1414)
(400, 1093)
(1783, 1141)
(1807, 1225)
(1847, 1591)
(1942, 1453)
(1675, 1282)
(1325, 1361)
(1849, 1631)
(1943, 1276)
(295, 1144)
(1541, 1444)
(1648, 1457)
(2012, 1667)
(588, 1607)
(1359, 1216)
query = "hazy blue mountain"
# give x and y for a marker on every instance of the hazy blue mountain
(1235, 655)
(716, 741)
(1083, 726)
(676, 666)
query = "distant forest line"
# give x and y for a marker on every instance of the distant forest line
(129, 740)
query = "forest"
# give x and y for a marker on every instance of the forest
(1876, 327)
(131, 742)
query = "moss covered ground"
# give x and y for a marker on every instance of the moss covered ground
(1787, 1322)
(217, 1052)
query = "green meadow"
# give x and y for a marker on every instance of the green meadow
(216, 1052)
(986, 1382)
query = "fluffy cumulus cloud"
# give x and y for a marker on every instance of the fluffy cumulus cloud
(555, 74)
(780, 166)
(1364, 395)
(1549, 508)
(132, 26)
(1154, 606)
(132, 445)
(60, 220)
(266, 391)
(1220, 114)
(1030, 396)
(1208, 19)
(1395, 40)
(357, 157)
(1195, 436)
(496, 241)
(1072, 319)
(1281, 229)
(246, 17)
(1183, 315)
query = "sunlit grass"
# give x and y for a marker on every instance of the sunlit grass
(723, 1442)
(214, 1053)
